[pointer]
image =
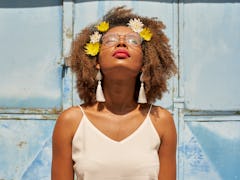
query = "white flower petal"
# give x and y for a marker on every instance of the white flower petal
(136, 25)
(95, 37)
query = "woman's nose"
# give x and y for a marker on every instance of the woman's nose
(121, 42)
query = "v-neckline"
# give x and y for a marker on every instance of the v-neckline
(106, 137)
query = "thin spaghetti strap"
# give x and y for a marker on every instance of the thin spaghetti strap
(81, 109)
(149, 109)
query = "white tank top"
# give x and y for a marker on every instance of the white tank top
(98, 157)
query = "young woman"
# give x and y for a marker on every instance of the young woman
(122, 64)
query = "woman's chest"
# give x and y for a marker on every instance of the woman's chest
(117, 127)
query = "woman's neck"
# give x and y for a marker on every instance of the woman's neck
(119, 95)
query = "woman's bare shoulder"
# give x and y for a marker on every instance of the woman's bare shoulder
(162, 120)
(71, 114)
(69, 120)
(159, 113)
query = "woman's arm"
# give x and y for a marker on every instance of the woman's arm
(167, 150)
(65, 127)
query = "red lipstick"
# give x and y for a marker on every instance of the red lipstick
(121, 54)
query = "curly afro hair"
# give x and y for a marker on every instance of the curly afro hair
(158, 60)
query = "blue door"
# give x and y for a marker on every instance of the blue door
(36, 84)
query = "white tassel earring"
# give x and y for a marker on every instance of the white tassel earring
(142, 96)
(99, 91)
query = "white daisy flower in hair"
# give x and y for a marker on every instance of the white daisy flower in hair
(95, 37)
(136, 25)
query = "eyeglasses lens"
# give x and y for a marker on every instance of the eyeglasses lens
(113, 39)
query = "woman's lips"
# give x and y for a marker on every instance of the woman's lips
(121, 54)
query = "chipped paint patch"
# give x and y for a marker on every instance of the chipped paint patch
(22, 144)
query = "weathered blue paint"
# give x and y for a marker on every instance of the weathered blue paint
(209, 139)
(211, 54)
(31, 47)
(40, 168)
(211, 150)
(24, 146)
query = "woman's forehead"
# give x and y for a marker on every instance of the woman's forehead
(120, 30)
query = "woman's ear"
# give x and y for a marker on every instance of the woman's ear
(98, 66)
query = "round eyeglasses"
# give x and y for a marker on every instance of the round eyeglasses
(131, 39)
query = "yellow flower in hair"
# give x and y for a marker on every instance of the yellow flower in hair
(92, 48)
(103, 26)
(146, 34)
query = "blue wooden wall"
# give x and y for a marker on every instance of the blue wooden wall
(35, 38)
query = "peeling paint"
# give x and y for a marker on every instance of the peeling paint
(21, 110)
(68, 33)
(22, 144)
